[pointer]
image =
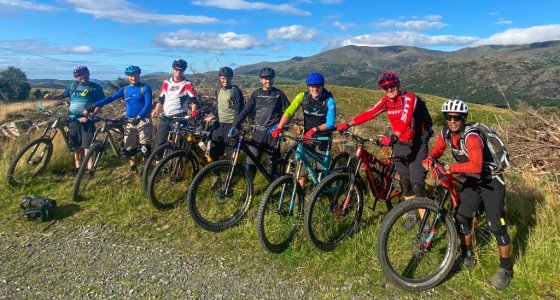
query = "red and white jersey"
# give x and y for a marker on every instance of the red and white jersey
(177, 96)
(399, 112)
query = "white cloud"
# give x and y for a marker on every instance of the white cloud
(292, 33)
(407, 38)
(247, 5)
(344, 26)
(81, 50)
(28, 5)
(123, 11)
(518, 36)
(502, 21)
(209, 41)
(430, 21)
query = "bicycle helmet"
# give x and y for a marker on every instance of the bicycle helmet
(315, 79)
(81, 70)
(225, 71)
(388, 78)
(455, 106)
(267, 72)
(179, 64)
(132, 70)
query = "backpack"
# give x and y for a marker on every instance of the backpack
(493, 142)
(421, 114)
(37, 207)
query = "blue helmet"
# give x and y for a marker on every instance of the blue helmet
(132, 70)
(81, 70)
(267, 72)
(315, 79)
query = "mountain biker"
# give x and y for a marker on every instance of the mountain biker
(267, 103)
(230, 103)
(138, 100)
(177, 98)
(82, 93)
(319, 114)
(411, 126)
(487, 192)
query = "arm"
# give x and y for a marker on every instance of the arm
(439, 148)
(245, 112)
(331, 116)
(238, 101)
(369, 114)
(118, 94)
(147, 101)
(474, 145)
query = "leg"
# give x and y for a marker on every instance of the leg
(87, 131)
(470, 202)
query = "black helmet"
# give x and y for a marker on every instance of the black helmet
(225, 71)
(267, 72)
(179, 64)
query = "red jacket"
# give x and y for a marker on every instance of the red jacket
(474, 146)
(399, 112)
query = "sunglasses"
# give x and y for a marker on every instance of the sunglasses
(455, 118)
(389, 87)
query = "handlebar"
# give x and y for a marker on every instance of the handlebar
(314, 140)
(48, 112)
(360, 139)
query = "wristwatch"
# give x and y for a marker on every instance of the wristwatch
(447, 168)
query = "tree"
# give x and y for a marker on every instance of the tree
(38, 94)
(13, 84)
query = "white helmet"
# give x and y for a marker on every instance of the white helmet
(455, 106)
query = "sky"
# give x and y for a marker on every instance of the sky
(47, 39)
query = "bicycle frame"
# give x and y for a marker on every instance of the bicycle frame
(373, 166)
(242, 145)
(303, 155)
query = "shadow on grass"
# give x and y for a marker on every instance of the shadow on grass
(66, 210)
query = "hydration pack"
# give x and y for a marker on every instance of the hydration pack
(498, 159)
(38, 208)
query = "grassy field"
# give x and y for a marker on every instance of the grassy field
(532, 206)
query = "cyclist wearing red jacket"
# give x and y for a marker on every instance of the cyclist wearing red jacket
(411, 124)
(472, 155)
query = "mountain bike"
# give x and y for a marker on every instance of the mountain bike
(177, 139)
(31, 160)
(112, 132)
(336, 205)
(220, 194)
(420, 258)
(281, 208)
(173, 174)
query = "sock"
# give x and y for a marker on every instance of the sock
(466, 251)
(505, 263)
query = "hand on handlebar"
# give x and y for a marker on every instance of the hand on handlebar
(232, 132)
(388, 140)
(342, 127)
(276, 132)
(428, 162)
(309, 134)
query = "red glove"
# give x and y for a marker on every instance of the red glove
(310, 133)
(427, 163)
(388, 140)
(194, 113)
(342, 127)
(276, 132)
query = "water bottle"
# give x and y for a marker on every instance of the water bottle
(202, 146)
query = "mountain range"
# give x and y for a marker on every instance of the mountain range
(528, 73)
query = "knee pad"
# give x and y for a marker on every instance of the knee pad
(464, 224)
(406, 186)
(419, 189)
(499, 230)
(146, 150)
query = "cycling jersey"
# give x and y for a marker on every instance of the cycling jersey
(230, 103)
(137, 103)
(82, 95)
(268, 107)
(471, 164)
(315, 112)
(177, 97)
(400, 113)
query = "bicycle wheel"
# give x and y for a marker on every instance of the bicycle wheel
(212, 206)
(329, 217)
(170, 179)
(30, 161)
(279, 214)
(421, 257)
(339, 160)
(150, 163)
(85, 175)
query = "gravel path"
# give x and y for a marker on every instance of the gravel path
(95, 262)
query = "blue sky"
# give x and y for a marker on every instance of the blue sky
(47, 39)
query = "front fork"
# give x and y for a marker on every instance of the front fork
(342, 207)
(433, 227)
(234, 158)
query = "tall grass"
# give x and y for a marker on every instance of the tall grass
(532, 206)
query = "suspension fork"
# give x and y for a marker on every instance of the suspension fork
(353, 179)
(234, 158)
(296, 185)
(438, 218)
